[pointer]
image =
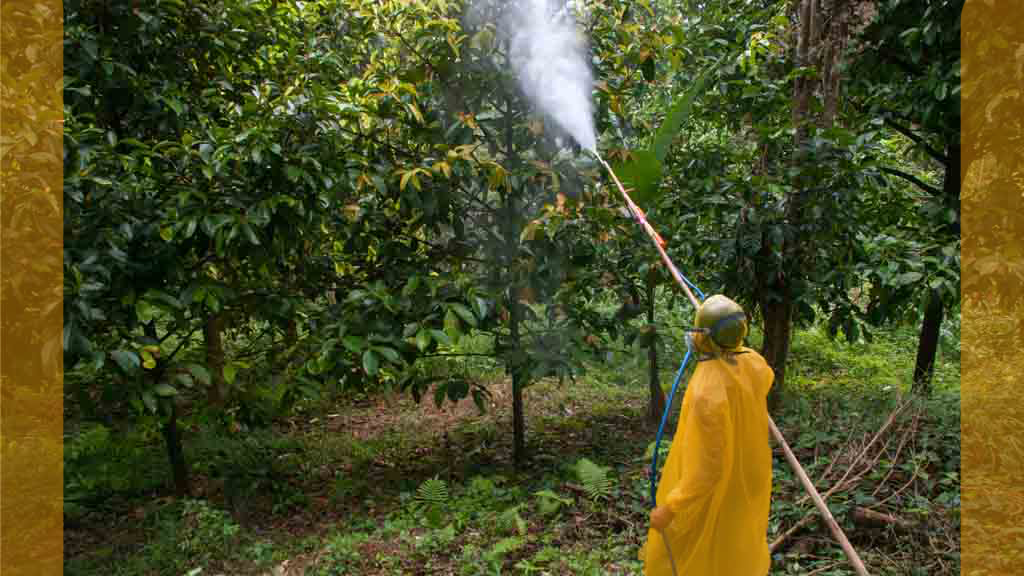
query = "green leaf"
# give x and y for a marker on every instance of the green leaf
(354, 343)
(149, 400)
(214, 222)
(127, 360)
(230, 371)
(464, 313)
(200, 373)
(410, 286)
(165, 390)
(370, 362)
(441, 337)
(91, 48)
(148, 362)
(174, 104)
(640, 176)
(907, 278)
(676, 116)
(422, 339)
(250, 234)
(440, 391)
(451, 324)
(405, 180)
(481, 307)
(390, 354)
(184, 380)
(164, 298)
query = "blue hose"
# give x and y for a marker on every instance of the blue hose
(700, 295)
(664, 419)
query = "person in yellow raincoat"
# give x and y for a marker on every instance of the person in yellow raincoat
(715, 489)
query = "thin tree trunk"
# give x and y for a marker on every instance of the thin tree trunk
(802, 86)
(836, 49)
(513, 228)
(176, 455)
(292, 333)
(172, 439)
(215, 358)
(518, 427)
(928, 343)
(657, 404)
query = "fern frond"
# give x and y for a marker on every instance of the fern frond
(433, 491)
(594, 479)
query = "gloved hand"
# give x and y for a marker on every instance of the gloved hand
(661, 517)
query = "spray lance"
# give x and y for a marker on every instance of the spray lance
(683, 283)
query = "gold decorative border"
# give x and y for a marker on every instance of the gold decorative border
(31, 287)
(992, 258)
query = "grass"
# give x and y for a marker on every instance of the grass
(339, 488)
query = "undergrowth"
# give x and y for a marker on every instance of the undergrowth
(313, 499)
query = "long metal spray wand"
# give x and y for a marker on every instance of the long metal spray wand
(833, 526)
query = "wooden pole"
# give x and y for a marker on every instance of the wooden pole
(655, 237)
(833, 526)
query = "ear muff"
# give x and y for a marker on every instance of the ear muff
(724, 332)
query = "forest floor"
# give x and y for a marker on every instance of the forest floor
(385, 486)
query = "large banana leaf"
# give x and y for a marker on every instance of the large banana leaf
(641, 172)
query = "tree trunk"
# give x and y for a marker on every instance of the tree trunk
(802, 86)
(513, 229)
(928, 343)
(778, 307)
(292, 334)
(778, 315)
(656, 407)
(518, 428)
(175, 454)
(215, 358)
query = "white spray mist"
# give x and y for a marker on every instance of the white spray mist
(550, 60)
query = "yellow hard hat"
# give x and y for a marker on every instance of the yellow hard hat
(724, 321)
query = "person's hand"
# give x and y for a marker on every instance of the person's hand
(661, 517)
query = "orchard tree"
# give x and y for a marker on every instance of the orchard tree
(907, 73)
(209, 162)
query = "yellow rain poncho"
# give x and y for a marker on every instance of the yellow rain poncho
(717, 478)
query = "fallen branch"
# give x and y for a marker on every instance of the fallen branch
(867, 516)
(895, 458)
(841, 484)
(901, 489)
(823, 568)
(888, 423)
(833, 526)
(792, 530)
